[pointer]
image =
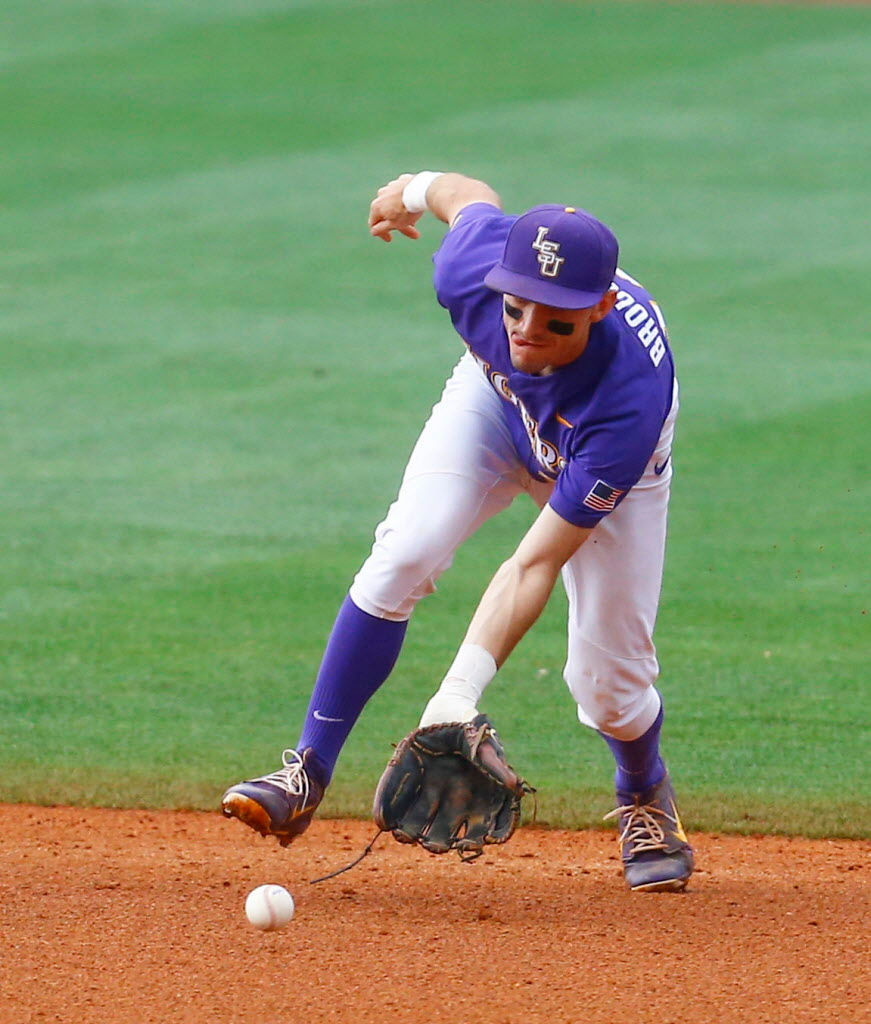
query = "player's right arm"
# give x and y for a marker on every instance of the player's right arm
(446, 195)
(449, 193)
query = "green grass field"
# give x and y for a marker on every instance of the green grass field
(212, 378)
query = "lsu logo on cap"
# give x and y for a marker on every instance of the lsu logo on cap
(549, 259)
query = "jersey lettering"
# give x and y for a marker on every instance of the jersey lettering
(546, 454)
(648, 333)
(657, 351)
(635, 314)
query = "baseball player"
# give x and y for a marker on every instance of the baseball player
(566, 392)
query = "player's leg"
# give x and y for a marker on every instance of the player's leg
(463, 470)
(613, 584)
(414, 545)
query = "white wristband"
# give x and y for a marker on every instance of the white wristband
(414, 193)
(456, 700)
(474, 667)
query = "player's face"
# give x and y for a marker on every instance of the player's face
(543, 338)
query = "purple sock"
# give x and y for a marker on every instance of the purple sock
(639, 765)
(359, 656)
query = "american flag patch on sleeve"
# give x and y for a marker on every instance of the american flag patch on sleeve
(602, 497)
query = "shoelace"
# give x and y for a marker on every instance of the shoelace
(292, 777)
(642, 829)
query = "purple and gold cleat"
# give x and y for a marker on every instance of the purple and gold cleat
(656, 853)
(280, 804)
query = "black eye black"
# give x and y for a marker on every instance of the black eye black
(513, 311)
(560, 327)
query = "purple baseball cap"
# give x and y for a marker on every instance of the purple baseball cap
(558, 256)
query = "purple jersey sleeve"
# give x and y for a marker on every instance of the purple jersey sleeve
(467, 253)
(611, 462)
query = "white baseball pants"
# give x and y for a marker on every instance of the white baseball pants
(463, 470)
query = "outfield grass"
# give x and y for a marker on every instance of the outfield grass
(213, 377)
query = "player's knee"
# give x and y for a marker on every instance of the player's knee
(416, 554)
(415, 563)
(397, 575)
(413, 560)
(608, 715)
(389, 598)
(613, 694)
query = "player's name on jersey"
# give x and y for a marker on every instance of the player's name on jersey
(649, 328)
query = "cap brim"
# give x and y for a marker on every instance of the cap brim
(534, 289)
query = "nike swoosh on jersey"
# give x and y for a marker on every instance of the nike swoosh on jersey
(659, 467)
(324, 718)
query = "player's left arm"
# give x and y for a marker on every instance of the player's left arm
(522, 585)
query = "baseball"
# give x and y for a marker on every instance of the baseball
(269, 907)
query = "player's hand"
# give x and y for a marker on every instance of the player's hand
(388, 214)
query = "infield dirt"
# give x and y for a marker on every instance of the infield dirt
(123, 916)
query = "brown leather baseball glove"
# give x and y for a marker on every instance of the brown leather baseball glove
(449, 787)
